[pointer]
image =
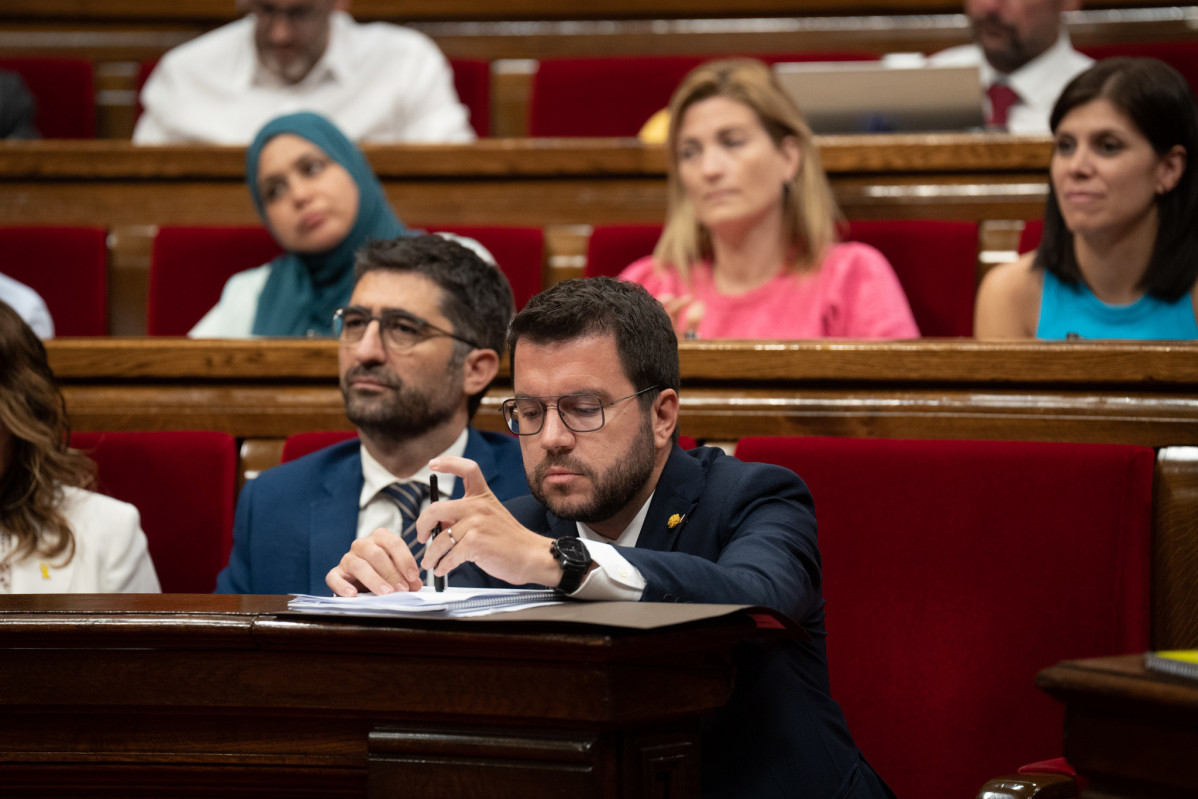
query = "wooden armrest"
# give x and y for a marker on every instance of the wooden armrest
(1030, 786)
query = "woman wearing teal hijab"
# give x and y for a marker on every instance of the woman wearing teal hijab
(316, 193)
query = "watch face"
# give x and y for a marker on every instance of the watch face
(573, 552)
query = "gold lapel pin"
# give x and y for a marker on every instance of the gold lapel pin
(674, 521)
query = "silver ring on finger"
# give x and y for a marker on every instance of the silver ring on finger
(453, 542)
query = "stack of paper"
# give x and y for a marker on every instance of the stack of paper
(452, 603)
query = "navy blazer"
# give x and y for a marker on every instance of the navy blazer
(723, 531)
(295, 521)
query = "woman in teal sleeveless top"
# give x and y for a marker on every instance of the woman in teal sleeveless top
(1119, 253)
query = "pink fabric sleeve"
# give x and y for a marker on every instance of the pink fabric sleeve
(656, 281)
(873, 302)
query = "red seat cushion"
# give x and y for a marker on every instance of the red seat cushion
(1181, 55)
(1029, 237)
(68, 267)
(65, 91)
(610, 248)
(615, 96)
(953, 572)
(472, 80)
(936, 263)
(519, 251)
(184, 485)
(300, 444)
(190, 265)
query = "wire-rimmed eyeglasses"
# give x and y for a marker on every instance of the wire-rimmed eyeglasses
(400, 330)
(582, 413)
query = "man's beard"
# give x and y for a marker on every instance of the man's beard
(292, 71)
(1013, 55)
(405, 412)
(613, 489)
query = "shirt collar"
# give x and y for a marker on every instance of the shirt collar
(331, 67)
(1035, 81)
(375, 476)
(631, 533)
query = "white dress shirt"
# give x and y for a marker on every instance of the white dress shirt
(28, 304)
(377, 82)
(613, 577)
(376, 510)
(1038, 83)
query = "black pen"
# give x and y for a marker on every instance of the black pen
(433, 496)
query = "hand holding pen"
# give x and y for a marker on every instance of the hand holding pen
(433, 496)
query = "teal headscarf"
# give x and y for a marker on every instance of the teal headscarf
(304, 289)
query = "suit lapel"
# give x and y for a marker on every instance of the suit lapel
(477, 451)
(678, 490)
(333, 519)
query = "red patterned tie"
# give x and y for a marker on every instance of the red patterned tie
(1002, 97)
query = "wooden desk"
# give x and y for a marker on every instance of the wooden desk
(1113, 392)
(1132, 733)
(197, 695)
(538, 182)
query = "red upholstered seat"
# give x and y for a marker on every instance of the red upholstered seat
(184, 484)
(189, 267)
(1029, 238)
(68, 267)
(519, 251)
(953, 572)
(1181, 55)
(610, 248)
(472, 80)
(936, 262)
(615, 96)
(298, 445)
(65, 91)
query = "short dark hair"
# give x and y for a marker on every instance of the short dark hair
(1160, 103)
(645, 338)
(475, 296)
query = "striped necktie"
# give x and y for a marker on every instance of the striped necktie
(408, 497)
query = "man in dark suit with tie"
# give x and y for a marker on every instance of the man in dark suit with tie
(419, 346)
(619, 511)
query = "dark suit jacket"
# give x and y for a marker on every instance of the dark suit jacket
(17, 108)
(295, 521)
(746, 535)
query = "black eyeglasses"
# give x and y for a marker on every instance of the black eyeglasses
(399, 329)
(582, 413)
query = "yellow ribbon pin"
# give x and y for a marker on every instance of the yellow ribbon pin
(45, 571)
(674, 521)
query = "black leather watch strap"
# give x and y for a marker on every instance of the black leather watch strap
(575, 560)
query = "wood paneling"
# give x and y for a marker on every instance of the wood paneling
(197, 695)
(538, 182)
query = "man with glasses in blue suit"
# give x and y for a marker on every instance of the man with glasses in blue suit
(419, 346)
(619, 511)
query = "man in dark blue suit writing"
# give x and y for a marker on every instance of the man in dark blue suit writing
(419, 345)
(619, 511)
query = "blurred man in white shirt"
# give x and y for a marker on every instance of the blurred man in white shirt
(377, 82)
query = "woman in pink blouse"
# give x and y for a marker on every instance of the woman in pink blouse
(749, 249)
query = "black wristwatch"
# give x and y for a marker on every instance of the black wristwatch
(572, 554)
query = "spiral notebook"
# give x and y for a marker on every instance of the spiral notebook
(1177, 662)
(452, 603)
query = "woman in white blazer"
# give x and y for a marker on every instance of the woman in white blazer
(55, 536)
